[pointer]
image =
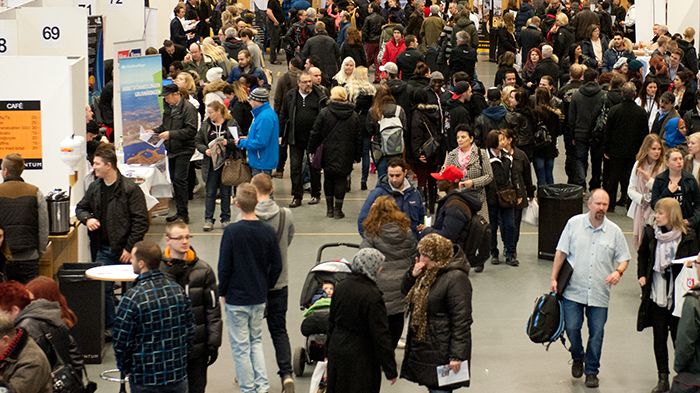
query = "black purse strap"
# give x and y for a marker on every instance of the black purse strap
(62, 361)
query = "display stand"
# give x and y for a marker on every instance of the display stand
(61, 249)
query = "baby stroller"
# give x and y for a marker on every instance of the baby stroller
(315, 325)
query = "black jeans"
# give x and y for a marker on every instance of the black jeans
(179, 170)
(662, 322)
(22, 271)
(396, 328)
(197, 374)
(297, 155)
(282, 158)
(273, 34)
(277, 325)
(334, 186)
(581, 150)
(617, 171)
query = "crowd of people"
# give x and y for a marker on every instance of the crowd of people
(395, 89)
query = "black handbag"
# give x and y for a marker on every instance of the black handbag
(65, 379)
(431, 146)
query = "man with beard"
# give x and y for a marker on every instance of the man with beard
(597, 251)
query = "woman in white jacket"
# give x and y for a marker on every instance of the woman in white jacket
(650, 162)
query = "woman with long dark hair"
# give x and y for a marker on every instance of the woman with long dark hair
(523, 178)
(427, 147)
(388, 230)
(648, 98)
(546, 118)
(682, 90)
(383, 106)
(352, 47)
(574, 55)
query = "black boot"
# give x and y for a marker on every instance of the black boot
(329, 207)
(338, 211)
(662, 386)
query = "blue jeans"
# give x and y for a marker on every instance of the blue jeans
(365, 158)
(544, 169)
(505, 219)
(573, 321)
(214, 185)
(245, 332)
(254, 171)
(105, 256)
(177, 387)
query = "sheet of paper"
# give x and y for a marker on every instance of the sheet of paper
(446, 376)
(151, 138)
(686, 259)
(234, 132)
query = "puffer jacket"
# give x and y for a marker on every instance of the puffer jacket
(451, 221)
(345, 147)
(399, 249)
(180, 121)
(127, 215)
(42, 317)
(197, 279)
(25, 368)
(449, 325)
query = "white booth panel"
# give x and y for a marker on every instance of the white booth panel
(8, 37)
(60, 31)
(124, 21)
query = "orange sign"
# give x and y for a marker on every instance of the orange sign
(20, 131)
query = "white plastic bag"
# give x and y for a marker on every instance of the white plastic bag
(686, 279)
(317, 377)
(531, 214)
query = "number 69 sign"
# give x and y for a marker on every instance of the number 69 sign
(57, 31)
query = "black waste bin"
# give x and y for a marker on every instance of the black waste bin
(87, 299)
(558, 203)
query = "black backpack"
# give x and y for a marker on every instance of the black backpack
(546, 324)
(476, 240)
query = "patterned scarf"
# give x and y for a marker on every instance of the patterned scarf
(666, 246)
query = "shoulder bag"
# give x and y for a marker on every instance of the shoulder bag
(235, 172)
(431, 146)
(65, 379)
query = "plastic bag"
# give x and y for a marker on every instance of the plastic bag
(531, 214)
(318, 384)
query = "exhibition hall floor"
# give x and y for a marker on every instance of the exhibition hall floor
(503, 358)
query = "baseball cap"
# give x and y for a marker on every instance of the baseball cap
(459, 89)
(450, 173)
(169, 89)
(389, 68)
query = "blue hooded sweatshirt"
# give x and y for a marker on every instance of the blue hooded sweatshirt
(262, 142)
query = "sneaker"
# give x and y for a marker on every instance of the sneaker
(577, 369)
(401, 344)
(224, 224)
(592, 381)
(208, 225)
(295, 203)
(495, 260)
(512, 261)
(287, 384)
(314, 201)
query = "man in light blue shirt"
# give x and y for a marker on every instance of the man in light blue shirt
(597, 251)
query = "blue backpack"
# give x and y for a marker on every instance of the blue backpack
(546, 324)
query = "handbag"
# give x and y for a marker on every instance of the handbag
(531, 214)
(507, 198)
(235, 172)
(317, 159)
(65, 379)
(542, 137)
(431, 146)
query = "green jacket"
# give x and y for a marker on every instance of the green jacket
(687, 359)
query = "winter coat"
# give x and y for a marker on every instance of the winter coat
(478, 170)
(268, 212)
(180, 120)
(692, 120)
(491, 118)
(425, 123)
(356, 52)
(232, 46)
(372, 28)
(287, 115)
(262, 142)
(546, 67)
(522, 172)
(690, 55)
(562, 40)
(408, 199)
(407, 61)
(242, 113)
(587, 49)
(451, 221)
(285, 83)
(431, 29)
(612, 55)
(358, 341)
(322, 49)
(690, 205)
(198, 281)
(506, 42)
(582, 20)
(400, 92)
(399, 248)
(552, 122)
(456, 113)
(449, 325)
(397, 12)
(463, 58)
(127, 216)
(465, 24)
(392, 50)
(525, 12)
(625, 130)
(530, 37)
(42, 317)
(523, 126)
(26, 369)
(503, 176)
(340, 121)
(203, 137)
(177, 33)
(646, 258)
(584, 109)
(687, 356)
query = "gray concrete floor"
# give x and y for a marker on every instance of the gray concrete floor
(503, 358)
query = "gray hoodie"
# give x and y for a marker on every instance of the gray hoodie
(269, 212)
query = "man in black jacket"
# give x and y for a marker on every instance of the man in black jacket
(114, 211)
(585, 107)
(407, 60)
(323, 48)
(181, 265)
(456, 112)
(625, 130)
(531, 36)
(463, 56)
(171, 52)
(300, 108)
(178, 131)
(546, 66)
(371, 32)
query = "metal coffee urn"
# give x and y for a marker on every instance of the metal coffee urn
(58, 204)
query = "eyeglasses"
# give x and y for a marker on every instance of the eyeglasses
(180, 238)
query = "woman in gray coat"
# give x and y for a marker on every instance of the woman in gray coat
(388, 230)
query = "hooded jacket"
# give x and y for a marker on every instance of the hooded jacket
(268, 211)
(399, 249)
(42, 317)
(400, 92)
(232, 46)
(451, 221)
(491, 118)
(198, 281)
(392, 50)
(449, 325)
(340, 121)
(584, 109)
(26, 369)
(408, 199)
(262, 144)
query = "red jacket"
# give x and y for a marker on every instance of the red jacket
(392, 50)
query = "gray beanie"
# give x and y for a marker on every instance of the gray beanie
(367, 261)
(259, 94)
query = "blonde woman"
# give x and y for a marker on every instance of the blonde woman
(184, 80)
(218, 55)
(692, 160)
(345, 74)
(361, 93)
(506, 35)
(215, 126)
(668, 239)
(648, 164)
(240, 107)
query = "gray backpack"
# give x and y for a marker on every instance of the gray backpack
(391, 134)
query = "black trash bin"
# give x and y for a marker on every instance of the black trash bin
(87, 299)
(558, 203)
